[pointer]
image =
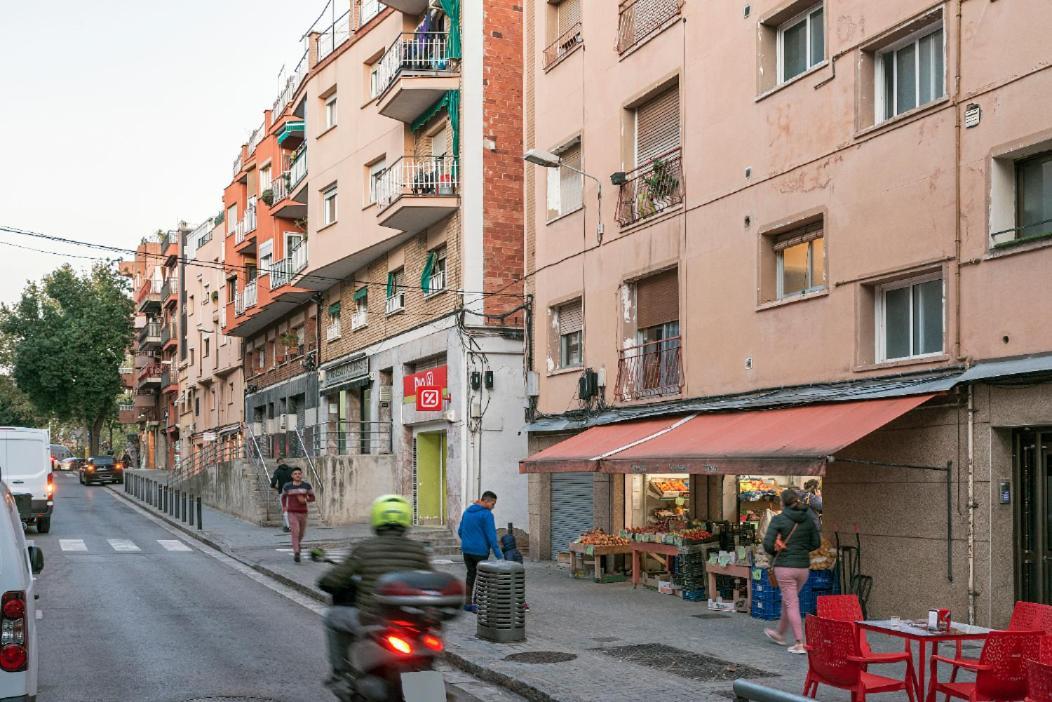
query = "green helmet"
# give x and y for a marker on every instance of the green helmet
(391, 510)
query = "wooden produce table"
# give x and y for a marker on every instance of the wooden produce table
(581, 550)
(639, 547)
(737, 571)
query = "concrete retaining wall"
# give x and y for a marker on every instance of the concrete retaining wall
(351, 483)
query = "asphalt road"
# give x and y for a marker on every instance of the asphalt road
(134, 612)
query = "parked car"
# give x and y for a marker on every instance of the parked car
(19, 562)
(25, 466)
(59, 453)
(101, 469)
(70, 464)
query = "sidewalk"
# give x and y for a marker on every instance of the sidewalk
(587, 641)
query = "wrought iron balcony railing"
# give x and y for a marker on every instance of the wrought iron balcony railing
(651, 189)
(566, 42)
(638, 19)
(427, 176)
(652, 369)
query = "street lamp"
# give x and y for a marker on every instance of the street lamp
(546, 159)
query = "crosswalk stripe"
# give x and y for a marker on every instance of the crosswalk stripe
(72, 545)
(123, 545)
(173, 545)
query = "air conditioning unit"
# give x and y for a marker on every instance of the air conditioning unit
(283, 422)
(385, 393)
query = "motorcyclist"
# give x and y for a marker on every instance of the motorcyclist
(388, 551)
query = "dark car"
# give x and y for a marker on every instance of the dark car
(101, 469)
(71, 464)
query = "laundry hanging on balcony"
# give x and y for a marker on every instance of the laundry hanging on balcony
(450, 102)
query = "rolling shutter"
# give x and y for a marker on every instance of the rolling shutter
(571, 318)
(570, 182)
(657, 299)
(657, 126)
(799, 236)
(567, 14)
(571, 509)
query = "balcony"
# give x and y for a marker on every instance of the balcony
(150, 376)
(412, 75)
(245, 299)
(127, 414)
(638, 19)
(169, 337)
(285, 270)
(144, 402)
(567, 42)
(150, 297)
(169, 383)
(170, 292)
(339, 32)
(292, 84)
(288, 196)
(408, 7)
(414, 193)
(651, 189)
(150, 335)
(653, 369)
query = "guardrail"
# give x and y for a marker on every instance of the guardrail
(638, 19)
(353, 439)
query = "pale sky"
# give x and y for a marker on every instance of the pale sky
(121, 117)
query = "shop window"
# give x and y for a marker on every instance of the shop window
(566, 183)
(570, 319)
(801, 43)
(909, 316)
(910, 73)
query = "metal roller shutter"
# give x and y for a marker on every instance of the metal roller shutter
(657, 299)
(657, 126)
(571, 509)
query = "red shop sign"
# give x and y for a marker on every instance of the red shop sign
(430, 378)
(428, 399)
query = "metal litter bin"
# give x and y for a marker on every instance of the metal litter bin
(500, 593)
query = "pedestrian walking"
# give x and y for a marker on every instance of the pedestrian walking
(282, 475)
(812, 497)
(296, 495)
(478, 536)
(790, 538)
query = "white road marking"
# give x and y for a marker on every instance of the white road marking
(72, 545)
(123, 545)
(40, 614)
(173, 545)
(283, 550)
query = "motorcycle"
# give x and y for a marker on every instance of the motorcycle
(392, 659)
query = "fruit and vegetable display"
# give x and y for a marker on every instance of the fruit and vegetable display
(662, 534)
(598, 537)
(671, 485)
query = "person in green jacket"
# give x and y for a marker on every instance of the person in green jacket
(790, 538)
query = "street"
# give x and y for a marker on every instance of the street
(133, 612)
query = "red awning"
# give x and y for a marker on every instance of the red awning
(784, 441)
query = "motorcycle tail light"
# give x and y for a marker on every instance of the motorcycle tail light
(432, 643)
(398, 644)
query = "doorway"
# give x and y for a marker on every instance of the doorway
(1033, 527)
(429, 478)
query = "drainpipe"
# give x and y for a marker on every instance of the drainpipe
(972, 505)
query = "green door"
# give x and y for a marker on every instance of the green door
(429, 478)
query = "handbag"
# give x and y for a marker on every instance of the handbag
(779, 546)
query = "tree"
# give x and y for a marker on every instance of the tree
(66, 339)
(16, 410)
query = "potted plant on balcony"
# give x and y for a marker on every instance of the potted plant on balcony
(267, 196)
(290, 340)
(661, 184)
(215, 296)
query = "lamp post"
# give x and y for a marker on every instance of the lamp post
(547, 159)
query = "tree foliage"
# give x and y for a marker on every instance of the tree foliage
(16, 410)
(66, 340)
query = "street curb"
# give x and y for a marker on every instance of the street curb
(511, 684)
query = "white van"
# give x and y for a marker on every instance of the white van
(19, 562)
(25, 465)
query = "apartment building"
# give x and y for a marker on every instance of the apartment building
(818, 228)
(211, 395)
(404, 167)
(137, 408)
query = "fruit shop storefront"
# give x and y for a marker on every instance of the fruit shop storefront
(697, 486)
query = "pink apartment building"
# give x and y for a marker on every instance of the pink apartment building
(823, 230)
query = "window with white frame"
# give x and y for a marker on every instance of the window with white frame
(801, 43)
(376, 171)
(565, 183)
(434, 277)
(571, 334)
(329, 119)
(332, 331)
(909, 318)
(360, 318)
(800, 261)
(910, 73)
(231, 219)
(1034, 196)
(328, 206)
(395, 291)
(266, 257)
(264, 179)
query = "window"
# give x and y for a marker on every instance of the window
(293, 240)
(801, 44)
(361, 308)
(376, 172)
(264, 179)
(434, 276)
(266, 257)
(330, 111)
(909, 319)
(197, 406)
(231, 219)
(564, 30)
(395, 291)
(207, 352)
(333, 330)
(231, 290)
(571, 334)
(1034, 196)
(653, 366)
(910, 73)
(565, 185)
(800, 261)
(328, 206)
(657, 126)
(190, 304)
(261, 358)
(440, 143)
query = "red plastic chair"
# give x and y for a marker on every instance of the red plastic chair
(835, 658)
(847, 608)
(1000, 672)
(1038, 681)
(1026, 616)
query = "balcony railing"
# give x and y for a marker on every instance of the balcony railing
(166, 379)
(237, 163)
(239, 232)
(411, 51)
(651, 189)
(166, 290)
(282, 272)
(279, 188)
(297, 167)
(352, 438)
(291, 85)
(167, 333)
(563, 45)
(336, 34)
(638, 19)
(255, 137)
(250, 217)
(359, 319)
(427, 176)
(154, 370)
(250, 294)
(368, 9)
(150, 331)
(650, 370)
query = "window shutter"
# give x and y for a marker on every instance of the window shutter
(334, 309)
(569, 12)
(425, 277)
(570, 182)
(571, 318)
(553, 191)
(657, 299)
(809, 232)
(390, 284)
(361, 294)
(657, 126)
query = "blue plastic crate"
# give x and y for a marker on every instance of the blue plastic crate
(697, 595)
(764, 586)
(767, 611)
(821, 579)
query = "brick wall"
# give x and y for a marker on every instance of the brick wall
(288, 364)
(419, 309)
(530, 141)
(503, 167)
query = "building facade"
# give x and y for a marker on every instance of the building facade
(400, 135)
(805, 205)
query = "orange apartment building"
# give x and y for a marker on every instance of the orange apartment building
(135, 408)
(392, 239)
(821, 228)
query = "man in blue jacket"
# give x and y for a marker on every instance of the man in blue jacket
(478, 536)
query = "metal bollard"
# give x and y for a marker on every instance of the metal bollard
(182, 505)
(191, 516)
(199, 526)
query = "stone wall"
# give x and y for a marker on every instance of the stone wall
(351, 483)
(232, 487)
